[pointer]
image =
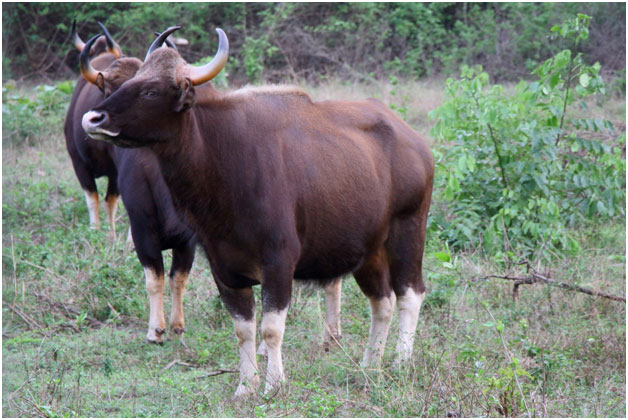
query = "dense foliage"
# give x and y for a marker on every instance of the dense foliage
(520, 167)
(276, 41)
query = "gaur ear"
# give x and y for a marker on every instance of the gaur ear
(100, 82)
(186, 97)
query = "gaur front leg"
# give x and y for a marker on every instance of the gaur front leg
(91, 198)
(88, 185)
(156, 319)
(111, 205)
(241, 306)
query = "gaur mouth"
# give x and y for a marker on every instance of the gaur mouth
(104, 135)
(115, 140)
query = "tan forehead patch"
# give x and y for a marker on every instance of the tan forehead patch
(162, 62)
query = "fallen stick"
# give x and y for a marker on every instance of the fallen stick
(34, 325)
(177, 362)
(536, 278)
(216, 373)
(69, 310)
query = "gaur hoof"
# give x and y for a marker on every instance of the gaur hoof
(155, 336)
(178, 331)
(331, 343)
(246, 390)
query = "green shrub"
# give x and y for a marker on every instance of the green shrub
(517, 169)
(28, 119)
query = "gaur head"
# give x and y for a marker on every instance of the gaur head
(119, 71)
(148, 107)
(110, 79)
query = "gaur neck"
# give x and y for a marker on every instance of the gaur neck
(190, 165)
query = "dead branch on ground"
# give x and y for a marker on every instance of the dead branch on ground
(216, 373)
(534, 277)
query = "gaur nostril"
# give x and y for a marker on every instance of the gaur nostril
(94, 120)
(98, 118)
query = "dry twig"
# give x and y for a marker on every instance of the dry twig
(535, 277)
(34, 325)
(216, 373)
(177, 362)
(70, 311)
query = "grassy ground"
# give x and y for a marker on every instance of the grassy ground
(74, 317)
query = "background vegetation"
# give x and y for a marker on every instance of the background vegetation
(280, 41)
(528, 132)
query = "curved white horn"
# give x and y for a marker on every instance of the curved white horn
(210, 70)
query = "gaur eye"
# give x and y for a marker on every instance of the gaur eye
(151, 93)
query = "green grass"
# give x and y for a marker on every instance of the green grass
(66, 352)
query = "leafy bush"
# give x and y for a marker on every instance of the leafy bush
(518, 169)
(28, 119)
(254, 52)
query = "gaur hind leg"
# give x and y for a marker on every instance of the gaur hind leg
(333, 292)
(405, 249)
(276, 296)
(332, 332)
(182, 260)
(374, 279)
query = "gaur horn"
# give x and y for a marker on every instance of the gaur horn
(210, 70)
(112, 46)
(169, 43)
(88, 72)
(78, 43)
(160, 40)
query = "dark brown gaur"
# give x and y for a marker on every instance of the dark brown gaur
(92, 159)
(155, 225)
(278, 187)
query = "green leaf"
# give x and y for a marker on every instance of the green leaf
(584, 80)
(562, 59)
(443, 256)
(500, 327)
(554, 79)
(534, 87)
